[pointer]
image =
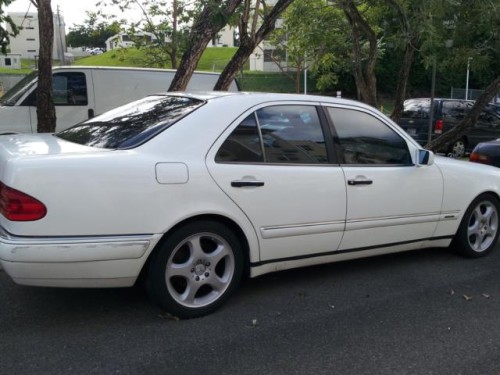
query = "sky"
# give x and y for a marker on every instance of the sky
(73, 11)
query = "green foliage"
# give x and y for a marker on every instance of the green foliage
(93, 33)
(168, 21)
(474, 32)
(313, 36)
(4, 20)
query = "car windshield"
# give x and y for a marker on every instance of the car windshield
(132, 124)
(14, 94)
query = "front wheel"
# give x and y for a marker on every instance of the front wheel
(196, 269)
(478, 231)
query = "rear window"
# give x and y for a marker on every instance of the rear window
(132, 124)
(417, 108)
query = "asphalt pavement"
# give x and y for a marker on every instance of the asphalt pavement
(424, 312)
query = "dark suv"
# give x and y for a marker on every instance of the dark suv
(447, 114)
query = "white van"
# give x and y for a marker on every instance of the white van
(83, 92)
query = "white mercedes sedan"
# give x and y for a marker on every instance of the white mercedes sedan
(195, 191)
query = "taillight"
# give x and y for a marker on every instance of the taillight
(17, 206)
(479, 158)
(438, 127)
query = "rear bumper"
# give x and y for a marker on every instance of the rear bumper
(110, 261)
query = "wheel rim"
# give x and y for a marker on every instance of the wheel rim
(200, 269)
(483, 226)
(458, 149)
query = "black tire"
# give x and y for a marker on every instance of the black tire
(195, 269)
(478, 232)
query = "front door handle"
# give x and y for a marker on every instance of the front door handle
(359, 182)
(245, 183)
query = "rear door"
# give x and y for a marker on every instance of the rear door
(274, 164)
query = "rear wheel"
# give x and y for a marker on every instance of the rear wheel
(196, 269)
(478, 231)
(457, 149)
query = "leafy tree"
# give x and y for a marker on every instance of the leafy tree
(214, 15)
(362, 35)
(93, 33)
(5, 19)
(471, 32)
(251, 36)
(313, 36)
(169, 22)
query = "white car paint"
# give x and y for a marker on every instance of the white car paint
(108, 209)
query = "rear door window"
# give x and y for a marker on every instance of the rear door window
(281, 134)
(455, 109)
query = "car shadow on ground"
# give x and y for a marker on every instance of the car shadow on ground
(275, 292)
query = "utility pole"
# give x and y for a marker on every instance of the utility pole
(467, 79)
(60, 43)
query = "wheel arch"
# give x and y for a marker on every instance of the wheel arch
(492, 193)
(231, 224)
(459, 238)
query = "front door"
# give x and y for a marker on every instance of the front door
(72, 99)
(391, 202)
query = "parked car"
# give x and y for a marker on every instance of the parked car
(193, 191)
(81, 92)
(96, 51)
(447, 114)
(487, 153)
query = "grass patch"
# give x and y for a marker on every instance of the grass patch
(213, 59)
(27, 67)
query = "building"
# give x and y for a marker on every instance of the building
(225, 38)
(11, 61)
(27, 42)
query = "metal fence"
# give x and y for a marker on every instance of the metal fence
(457, 93)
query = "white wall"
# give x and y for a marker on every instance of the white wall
(27, 42)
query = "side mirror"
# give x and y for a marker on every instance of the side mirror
(424, 157)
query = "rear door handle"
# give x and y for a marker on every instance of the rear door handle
(245, 183)
(359, 182)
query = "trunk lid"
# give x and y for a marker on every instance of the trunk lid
(27, 145)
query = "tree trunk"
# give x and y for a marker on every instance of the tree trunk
(211, 20)
(404, 75)
(404, 71)
(366, 80)
(249, 43)
(446, 139)
(232, 68)
(45, 110)
(175, 16)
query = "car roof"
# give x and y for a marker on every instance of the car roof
(256, 97)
